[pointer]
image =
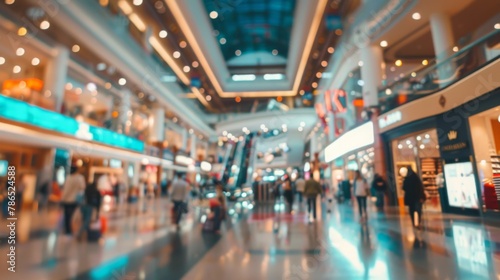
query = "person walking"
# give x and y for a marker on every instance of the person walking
(361, 191)
(288, 192)
(178, 194)
(380, 187)
(72, 194)
(91, 203)
(311, 191)
(300, 185)
(414, 196)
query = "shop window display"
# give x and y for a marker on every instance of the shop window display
(485, 132)
(420, 151)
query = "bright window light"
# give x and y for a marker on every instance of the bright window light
(247, 77)
(271, 77)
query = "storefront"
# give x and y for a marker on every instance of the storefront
(351, 152)
(415, 146)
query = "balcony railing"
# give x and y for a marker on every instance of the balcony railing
(437, 76)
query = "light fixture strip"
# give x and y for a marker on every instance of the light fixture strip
(169, 59)
(133, 17)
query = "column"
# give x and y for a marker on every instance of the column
(193, 147)
(56, 74)
(184, 135)
(371, 73)
(123, 123)
(157, 125)
(331, 127)
(442, 38)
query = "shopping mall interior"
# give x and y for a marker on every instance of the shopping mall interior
(249, 139)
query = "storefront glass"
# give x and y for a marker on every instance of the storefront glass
(420, 151)
(485, 132)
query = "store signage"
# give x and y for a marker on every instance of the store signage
(390, 119)
(205, 166)
(452, 135)
(83, 131)
(184, 160)
(115, 163)
(340, 100)
(352, 140)
(152, 151)
(20, 111)
(454, 147)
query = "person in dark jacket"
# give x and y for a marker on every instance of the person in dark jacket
(311, 191)
(380, 187)
(92, 201)
(414, 196)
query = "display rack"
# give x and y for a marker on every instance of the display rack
(495, 166)
(431, 167)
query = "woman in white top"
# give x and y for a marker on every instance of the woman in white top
(73, 189)
(361, 191)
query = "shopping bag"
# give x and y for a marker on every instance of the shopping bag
(104, 224)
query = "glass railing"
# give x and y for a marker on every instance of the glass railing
(437, 76)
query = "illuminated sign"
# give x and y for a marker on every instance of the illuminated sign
(206, 166)
(460, 183)
(184, 160)
(20, 111)
(340, 100)
(357, 138)
(30, 83)
(390, 119)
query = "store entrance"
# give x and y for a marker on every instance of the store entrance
(419, 151)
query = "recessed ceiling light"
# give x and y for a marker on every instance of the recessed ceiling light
(214, 14)
(177, 54)
(324, 63)
(186, 69)
(331, 50)
(44, 25)
(16, 69)
(314, 85)
(300, 128)
(20, 52)
(35, 61)
(237, 52)
(425, 62)
(122, 81)
(183, 44)
(2, 60)
(393, 68)
(413, 74)
(75, 48)
(222, 41)
(107, 85)
(360, 63)
(455, 49)
(208, 97)
(384, 44)
(497, 26)
(275, 52)
(361, 83)
(163, 34)
(318, 75)
(22, 31)
(101, 66)
(237, 99)
(137, 2)
(301, 92)
(195, 64)
(388, 91)
(416, 16)
(398, 62)
(9, 2)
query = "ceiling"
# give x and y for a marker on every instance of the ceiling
(252, 26)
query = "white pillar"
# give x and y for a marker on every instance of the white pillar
(371, 73)
(56, 75)
(193, 147)
(157, 125)
(442, 38)
(184, 135)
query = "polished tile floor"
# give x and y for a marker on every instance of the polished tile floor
(259, 243)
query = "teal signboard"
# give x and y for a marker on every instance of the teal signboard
(23, 112)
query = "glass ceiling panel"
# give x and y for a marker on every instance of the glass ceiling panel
(252, 25)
